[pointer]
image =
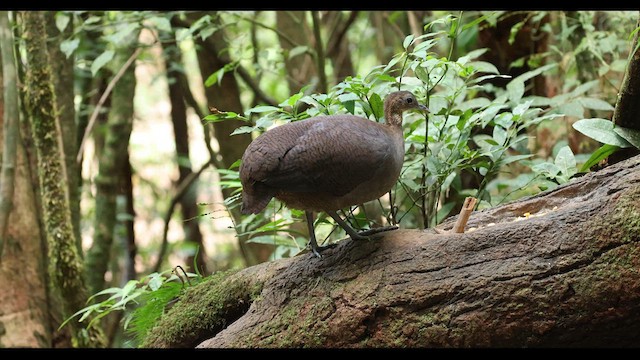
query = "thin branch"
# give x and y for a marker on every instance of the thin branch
(103, 98)
(244, 75)
(335, 40)
(10, 126)
(181, 189)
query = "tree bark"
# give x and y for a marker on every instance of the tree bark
(565, 276)
(627, 111)
(63, 78)
(188, 202)
(293, 31)
(24, 320)
(111, 166)
(226, 97)
(65, 267)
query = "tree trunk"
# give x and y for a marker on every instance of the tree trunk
(627, 111)
(293, 31)
(567, 275)
(63, 77)
(65, 266)
(111, 166)
(24, 320)
(188, 202)
(226, 97)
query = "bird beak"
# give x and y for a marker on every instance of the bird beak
(424, 108)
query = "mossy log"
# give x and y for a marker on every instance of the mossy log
(566, 274)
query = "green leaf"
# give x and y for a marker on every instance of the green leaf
(407, 41)
(600, 154)
(101, 61)
(595, 104)
(122, 33)
(161, 23)
(566, 161)
(261, 109)
(547, 169)
(631, 135)
(277, 240)
(243, 130)
(350, 106)
(376, 106)
(62, 20)
(522, 107)
(69, 46)
(602, 131)
(298, 50)
(155, 281)
(513, 158)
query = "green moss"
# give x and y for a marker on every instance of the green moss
(204, 310)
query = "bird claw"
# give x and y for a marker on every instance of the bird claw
(318, 249)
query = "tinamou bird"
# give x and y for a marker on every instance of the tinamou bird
(327, 163)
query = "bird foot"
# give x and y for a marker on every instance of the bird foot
(316, 250)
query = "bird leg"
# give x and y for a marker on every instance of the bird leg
(352, 233)
(315, 249)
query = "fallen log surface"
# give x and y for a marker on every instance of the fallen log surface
(558, 269)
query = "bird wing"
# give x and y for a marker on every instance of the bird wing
(334, 154)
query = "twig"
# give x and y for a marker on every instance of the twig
(465, 212)
(181, 189)
(244, 75)
(10, 127)
(335, 40)
(103, 98)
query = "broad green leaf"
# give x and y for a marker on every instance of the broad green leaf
(348, 97)
(522, 107)
(376, 106)
(631, 135)
(161, 23)
(595, 104)
(547, 169)
(261, 109)
(484, 67)
(243, 130)
(62, 20)
(513, 158)
(515, 90)
(601, 130)
(583, 88)
(407, 41)
(566, 161)
(122, 33)
(69, 46)
(101, 61)
(600, 154)
(155, 281)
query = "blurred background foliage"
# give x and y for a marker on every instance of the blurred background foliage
(504, 89)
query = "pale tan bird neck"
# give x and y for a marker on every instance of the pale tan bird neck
(392, 112)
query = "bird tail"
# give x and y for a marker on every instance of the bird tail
(255, 198)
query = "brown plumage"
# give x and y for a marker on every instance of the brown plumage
(326, 163)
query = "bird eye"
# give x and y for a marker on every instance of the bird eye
(409, 100)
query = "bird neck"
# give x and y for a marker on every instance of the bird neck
(393, 118)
